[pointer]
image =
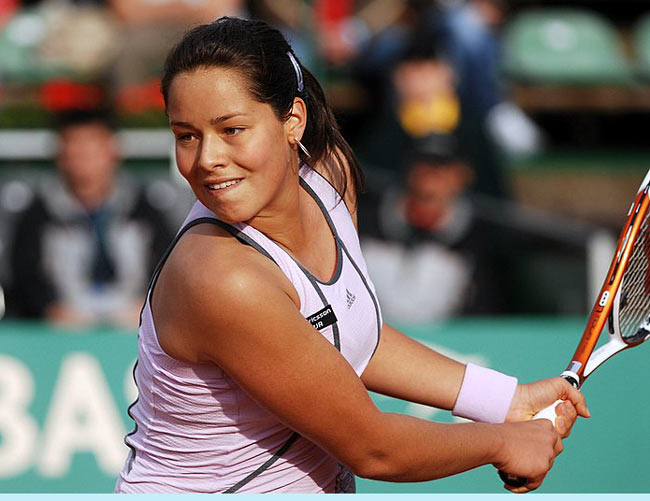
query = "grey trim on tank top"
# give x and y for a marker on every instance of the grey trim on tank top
(342, 245)
(135, 427)
(335, 190)
(372, 296)
(337, 241)
(335, 327)
(285, 447)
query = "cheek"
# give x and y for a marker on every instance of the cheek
(184, 161)
(266, 154)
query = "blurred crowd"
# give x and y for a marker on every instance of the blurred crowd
(415, 83)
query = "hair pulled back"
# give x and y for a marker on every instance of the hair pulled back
(261, 53)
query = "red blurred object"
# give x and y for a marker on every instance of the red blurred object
(337, 44)
(333, 11)
(139, 98)
(61, 95)
(7, 9)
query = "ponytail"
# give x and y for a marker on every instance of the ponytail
(324, 140)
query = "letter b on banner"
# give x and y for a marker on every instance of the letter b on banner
(18, 430)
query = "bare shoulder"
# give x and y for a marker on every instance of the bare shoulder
(209, 279)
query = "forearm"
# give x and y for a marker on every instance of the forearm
(413, 450)
(406, 369)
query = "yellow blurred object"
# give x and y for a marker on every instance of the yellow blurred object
(440, 115)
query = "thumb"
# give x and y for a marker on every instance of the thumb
(576, 398)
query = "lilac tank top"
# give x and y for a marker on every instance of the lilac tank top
(197, 431)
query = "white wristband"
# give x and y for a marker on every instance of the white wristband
(485, 395)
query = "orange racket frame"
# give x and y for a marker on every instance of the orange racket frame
(575, 372)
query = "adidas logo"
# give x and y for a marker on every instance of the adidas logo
(350, 298)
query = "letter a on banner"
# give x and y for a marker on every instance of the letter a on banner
(82, 418)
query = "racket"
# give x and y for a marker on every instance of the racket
(623, 305)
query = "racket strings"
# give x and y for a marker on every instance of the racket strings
(634, 310)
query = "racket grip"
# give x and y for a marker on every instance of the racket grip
(546, 413)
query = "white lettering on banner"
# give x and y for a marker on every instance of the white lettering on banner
(82, 417)
(18, 430)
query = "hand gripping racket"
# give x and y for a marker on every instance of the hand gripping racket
(623, 304)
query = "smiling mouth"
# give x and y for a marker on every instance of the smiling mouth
(221, 186)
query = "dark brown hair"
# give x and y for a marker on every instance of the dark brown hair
(261, 53)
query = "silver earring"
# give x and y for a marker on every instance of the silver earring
(302, 147)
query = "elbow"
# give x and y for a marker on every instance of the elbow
(373, 462)
(376, 449)
(372, 469)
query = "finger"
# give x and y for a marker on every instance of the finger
(558, 448)
(519, 490)
(563, 426)
(577, 399)
(532, 484)
(570, 411)
(566, 416)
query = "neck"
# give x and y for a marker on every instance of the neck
(286, 222)
(92, 197)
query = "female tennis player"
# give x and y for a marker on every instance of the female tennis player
(261, 334)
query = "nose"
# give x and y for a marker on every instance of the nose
(212, 153)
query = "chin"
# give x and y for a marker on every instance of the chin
(231, 216)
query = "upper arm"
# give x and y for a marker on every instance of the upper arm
(240, 317)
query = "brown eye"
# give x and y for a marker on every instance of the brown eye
(184, 138)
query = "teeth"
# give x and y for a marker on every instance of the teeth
(223, 185)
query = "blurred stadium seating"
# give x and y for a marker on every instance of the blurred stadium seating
(564, 46)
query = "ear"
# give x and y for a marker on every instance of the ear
(294, 126)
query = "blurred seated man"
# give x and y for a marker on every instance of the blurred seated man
(429, 253)
(421, 101)
(84, 249)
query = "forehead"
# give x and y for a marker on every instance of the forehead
(426, 177)
(94, 129)
(210, 89)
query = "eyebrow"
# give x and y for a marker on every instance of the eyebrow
(213, 121)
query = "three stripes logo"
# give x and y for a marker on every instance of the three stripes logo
(350, 298)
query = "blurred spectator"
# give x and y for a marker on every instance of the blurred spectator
(123, 42)
(84, 249)
(469, 34)
(151, 27)
(443, 63)
(470, 38)
(422, 100)
(57, 38)
(332, 30)
(430, 254)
